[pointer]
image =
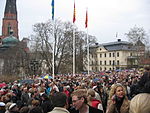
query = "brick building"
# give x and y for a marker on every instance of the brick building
(10, 21)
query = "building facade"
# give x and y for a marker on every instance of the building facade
(14, 58)
(112, 56)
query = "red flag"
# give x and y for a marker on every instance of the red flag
(86, 19)
(74, 13)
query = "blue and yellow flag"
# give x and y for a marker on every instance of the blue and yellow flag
(52, 4)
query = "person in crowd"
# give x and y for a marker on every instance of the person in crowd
(2, 107)
(24, 109)
(13, 108)
(36, 95)
(48, 88)
(8, 97)
(144, 80)
(20, 104)
(140, 103)
(65, 90)
(97, 96)
(104, 97)
(118, 101)
(92, 101)
(7, 107)
(36, 109)
(54, 88)
(35, 103)
(46, 103)
(140, 86)
(79, 102)
(25, 96)
(59, 100)
(17, 93)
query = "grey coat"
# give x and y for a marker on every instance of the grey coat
(59, 110)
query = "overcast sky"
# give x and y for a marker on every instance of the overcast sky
(106, 17)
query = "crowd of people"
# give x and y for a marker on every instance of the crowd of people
(126, 91)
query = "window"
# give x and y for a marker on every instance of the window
(105, 62)
(113, 54)
(100, 62)
(113, 62)
(95, 68)
(100, 55)
(100, 68)
(130, 54)
(8, 29)
(105, 54)
(109, 54)
(92, 62)
(110, 62)
(117, 62)
(117, 54)
(96, 62)
(105, 68)
(100, 49)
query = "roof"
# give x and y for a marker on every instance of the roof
(9, 41)
(116, 46)
(139, 43)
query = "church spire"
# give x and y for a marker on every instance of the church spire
(10, 19)
(11, 7)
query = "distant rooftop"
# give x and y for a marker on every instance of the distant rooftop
(118, 42)
(117, 45)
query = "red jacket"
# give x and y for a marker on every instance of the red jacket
(95, 103)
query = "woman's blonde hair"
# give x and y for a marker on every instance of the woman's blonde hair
(140, 103)
(113, 89)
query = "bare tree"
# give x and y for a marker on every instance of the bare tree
(135, 34)
(43, 40)
(139, 38)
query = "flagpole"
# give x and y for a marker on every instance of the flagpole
(74, 19)
(53, 51)
(88, 52)
(74, 51)
(53, 35)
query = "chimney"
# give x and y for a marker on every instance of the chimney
(119, 40)
(96, 43)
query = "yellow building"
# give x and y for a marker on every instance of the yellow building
(112, 56)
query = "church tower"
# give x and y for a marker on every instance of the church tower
(10, 21)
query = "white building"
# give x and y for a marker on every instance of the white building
(112, 56)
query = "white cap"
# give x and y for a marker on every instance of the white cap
(2, 104)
